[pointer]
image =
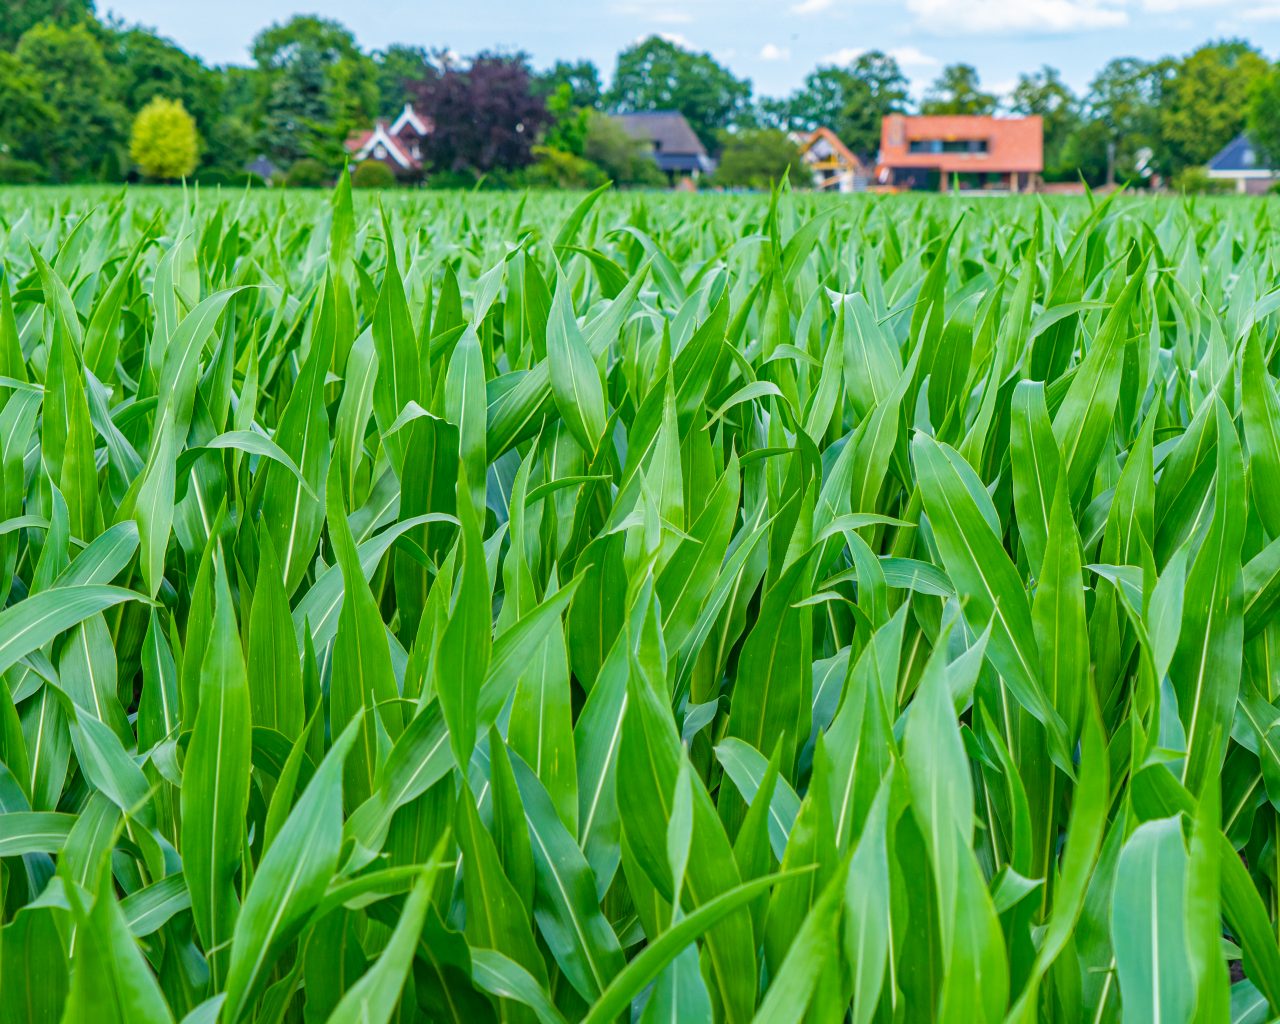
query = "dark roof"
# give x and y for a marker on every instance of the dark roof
(676, 147)
(685, 163)
(262, 167)
(1238, 155)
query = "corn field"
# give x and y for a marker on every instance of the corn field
(638, 608)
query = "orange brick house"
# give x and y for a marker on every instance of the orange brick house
(999, 154)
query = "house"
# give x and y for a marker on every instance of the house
(1239, 162)
(397, 144)
(835, 167)
(674, 145)
(984, 154)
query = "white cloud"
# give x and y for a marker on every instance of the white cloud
(645, 12)
(913, 57)
(845, 56)
(676, 38)
(981, 17)
(1173, 6)
(908, 57)
(772, 51)
(1265, 12)
(811, 6)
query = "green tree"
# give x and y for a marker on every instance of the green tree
(25, 118)
(486, 115)
(235, 137)
(164, 144)
(16, 16)
(1123, 120)
(958, 91)
(881, 89)
(1084, 152)
(296, 110)
(850, 100)
(656, 74)
(147, 65)
(567, 132)
(1206, 100)
(1263, 116)
(572, 94)
(581, 77)
(319, 88)
(757, 158)
(231, 144)
(85, 136)
(1043, 93)
(395, 67)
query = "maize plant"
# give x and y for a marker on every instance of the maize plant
(638, 608)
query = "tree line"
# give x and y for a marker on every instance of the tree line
(84, 98)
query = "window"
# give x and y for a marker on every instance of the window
(947, 146)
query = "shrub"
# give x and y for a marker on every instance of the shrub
(308, 173)
(372, 174)
(758, 158)
(164, 144)
(1195, 181)
(555, 168)
(20, 172)
(452, 180)
(621, 156)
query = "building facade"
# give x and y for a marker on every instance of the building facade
(1241, 164)
(670, 141)
(971, 153)
(398, 144)
(833, 165)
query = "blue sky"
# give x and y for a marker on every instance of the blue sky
(772, 43)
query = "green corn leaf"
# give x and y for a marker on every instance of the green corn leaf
(986, 581)
(110, 978)
(215, 781)
(29, 625)
(290, 879)
(538, 607)
(575, 381)
(565, 902)
(1148, 925)
(373, 999)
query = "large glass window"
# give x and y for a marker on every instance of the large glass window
(947, 146)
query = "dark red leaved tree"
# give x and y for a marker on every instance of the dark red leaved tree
(486, 115)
